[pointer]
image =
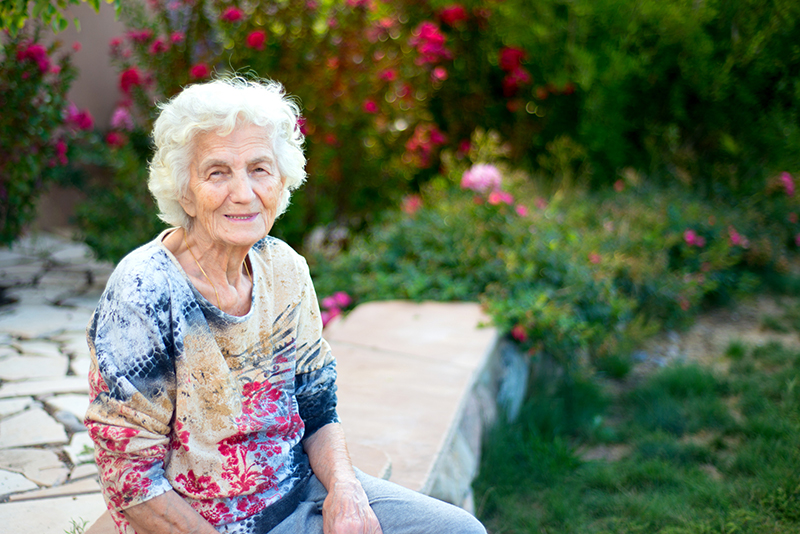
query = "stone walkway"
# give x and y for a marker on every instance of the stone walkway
(418, 385)
(48, 289)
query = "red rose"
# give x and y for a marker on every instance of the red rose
(232, 14)
(128, 79)
(199, 71)
(511, 58)
(256, 39)
(115, 139)
(453, 14)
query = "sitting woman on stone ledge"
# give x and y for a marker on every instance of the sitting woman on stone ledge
(213, 391)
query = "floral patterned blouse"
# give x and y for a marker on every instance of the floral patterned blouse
(214, 406)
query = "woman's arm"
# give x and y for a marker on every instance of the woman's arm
(346, 509)
(167, 513)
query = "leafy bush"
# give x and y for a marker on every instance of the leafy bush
(40, 131)
(581, 279)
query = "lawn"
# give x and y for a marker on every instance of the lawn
(685, 449)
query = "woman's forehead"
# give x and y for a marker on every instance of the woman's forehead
(250, 140)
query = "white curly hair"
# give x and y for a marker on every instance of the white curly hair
(220, 106)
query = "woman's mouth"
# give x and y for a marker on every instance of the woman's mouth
(246, 217)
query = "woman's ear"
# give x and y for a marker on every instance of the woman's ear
(188, 204)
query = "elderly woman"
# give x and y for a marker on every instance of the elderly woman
(213, 392)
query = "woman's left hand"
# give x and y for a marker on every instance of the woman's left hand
(346, 510)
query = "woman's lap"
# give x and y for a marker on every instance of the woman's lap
(399, 511)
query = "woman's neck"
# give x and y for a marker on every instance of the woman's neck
(220, 273)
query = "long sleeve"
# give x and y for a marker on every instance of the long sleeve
(132, 382)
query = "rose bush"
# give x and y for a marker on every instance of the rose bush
(40, 130)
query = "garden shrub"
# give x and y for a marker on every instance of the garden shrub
(582, 279)
(40, 130)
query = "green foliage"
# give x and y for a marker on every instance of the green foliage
(14, 13)
(581, 279)
(39, 132)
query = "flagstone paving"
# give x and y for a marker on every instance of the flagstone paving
(418, 384)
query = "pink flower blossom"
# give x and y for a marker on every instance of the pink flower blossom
(521, 210)
(115, 139)
(232, 14)
(121, 119)
(388, 75)
(788, 183)
(463, 147)
(35, 53)
(500, 197)
(411, 204)
(76, 46)
(481, 178)
(510, 58)
(619, 186)
(342, 299)
(514, 80)
(61, 151)
(256, 39)
(302, 123)
(519, 333)
(158, 46)
(177, 37)
(439, 74)
(370, 106)
(79, 119)
(55, 69)
(736, 238)
(690, 236)
(422, 144)
(594, 258)
(453, 14)
(541, 203)
(329, 315)
(199, 71)
(429, 42)
(140, 36)
(129, 78)
(328, 302)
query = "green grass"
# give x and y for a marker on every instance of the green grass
(705, 453)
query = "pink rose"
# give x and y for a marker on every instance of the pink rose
(388, 75)
(690, 236)
(453, 14)
(788, 183)
(481, 177)
(500, 197)
(159, 46)
(256, 39)
(232, 14)
(521, 210)
(199, 71)
(411, 204)
(519, 333)
(594, 258)
(177, 37)
(342, 299)
(370, 106)
(121, 119)
(115, 139)
(439, 74)
(510, 58)
(129, 78)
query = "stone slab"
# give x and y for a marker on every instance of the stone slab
(70, 384)
(40, 466)
(50, 516)
(83, 471)
(448, 332)
(39, 320)
(81, 449)
(48, 349)
(11, 482)
(12, 406)
(72, 403)
(17, 368)
(81, 487)
(31, 427)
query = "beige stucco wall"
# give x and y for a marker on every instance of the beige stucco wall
(95, 88)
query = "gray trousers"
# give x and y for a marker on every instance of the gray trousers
(399, 511)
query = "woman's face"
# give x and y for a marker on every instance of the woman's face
(234, 187)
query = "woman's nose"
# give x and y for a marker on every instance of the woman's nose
(241, 190)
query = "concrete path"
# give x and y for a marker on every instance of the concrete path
(418, 383)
